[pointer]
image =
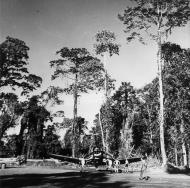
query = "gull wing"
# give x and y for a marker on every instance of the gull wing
(65, 158)
(134, 159)
(130, 160)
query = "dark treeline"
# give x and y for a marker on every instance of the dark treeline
(38, 130)
(129, 120)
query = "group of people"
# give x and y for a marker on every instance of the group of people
(116, 165)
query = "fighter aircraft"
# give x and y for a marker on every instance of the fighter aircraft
(96, 158)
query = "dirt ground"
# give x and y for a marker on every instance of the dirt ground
(71, 178)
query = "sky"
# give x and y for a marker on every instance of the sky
(48, 25)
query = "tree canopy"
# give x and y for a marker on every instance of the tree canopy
(151, 16)
(157, 18)
(77, 61)
(13, 71)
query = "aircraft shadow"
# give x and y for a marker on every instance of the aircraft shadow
(67, 180)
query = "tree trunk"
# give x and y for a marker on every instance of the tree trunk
(184, 154)
(40, 124)
(150, 127)
(20, 147)
(176, 158)
(28, 148)
(184, 151)
(105, 81)
(75, 95)
(128, 134)
(106, 98)
(189, 155)
(161, 101)
(101, 128)
(123, 130)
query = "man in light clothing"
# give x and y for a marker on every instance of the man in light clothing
(126, 165)
(109, 163)
(116, 165)
(82, 163)
(144, 160)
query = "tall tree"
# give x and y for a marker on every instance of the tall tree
(80, 129)
(51, 141)
(32, 124)
(13, 70)
(106, 46)
(84, 72)
(148, 118)
(176, 83)
(125, 102)
(97, 133)
(157, 18)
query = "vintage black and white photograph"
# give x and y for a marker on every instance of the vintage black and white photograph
(94, 93)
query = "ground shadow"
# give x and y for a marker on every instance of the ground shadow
(171, 169)
(67, 180)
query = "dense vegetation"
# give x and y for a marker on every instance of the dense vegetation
(130, 122)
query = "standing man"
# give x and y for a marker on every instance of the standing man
(126, 165)
(144, 160)
(109, 163)
(82, 163)
(116, 165)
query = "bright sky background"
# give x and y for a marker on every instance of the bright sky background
(48, 25)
